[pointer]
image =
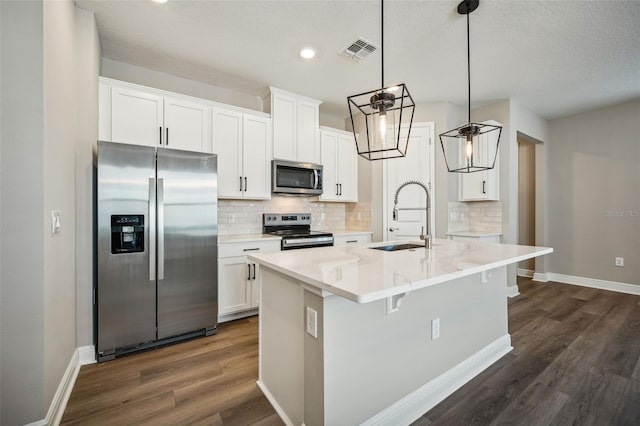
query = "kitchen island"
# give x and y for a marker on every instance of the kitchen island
(354, 335)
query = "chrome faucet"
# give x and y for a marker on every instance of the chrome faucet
(426, 237)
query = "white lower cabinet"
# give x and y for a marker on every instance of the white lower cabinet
(238, 288)
(351, 238)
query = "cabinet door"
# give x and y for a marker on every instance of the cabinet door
(136, 117)
(329, 154)
(256, 160)
(283, 111)
(227, 140)
(234, 285)
(347, 168)
(308, 146)
(187, 125)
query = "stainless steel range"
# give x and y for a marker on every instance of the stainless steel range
(295, 230)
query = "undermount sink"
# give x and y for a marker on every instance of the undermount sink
(395, 247)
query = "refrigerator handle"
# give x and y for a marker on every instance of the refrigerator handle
(160, 228)
(152, 229)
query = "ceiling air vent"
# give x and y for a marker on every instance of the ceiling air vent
(359, 49)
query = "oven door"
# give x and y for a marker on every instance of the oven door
(306, 242)
(296, 178)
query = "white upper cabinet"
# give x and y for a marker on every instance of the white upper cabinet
(143, 116)
(243, 144)
(484, 185)
(295, 127)
(340, 166)
(187, 125)
(136, 117)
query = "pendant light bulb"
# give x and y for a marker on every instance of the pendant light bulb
(383, 126)
(469, 148)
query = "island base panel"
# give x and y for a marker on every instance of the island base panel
(364, 361)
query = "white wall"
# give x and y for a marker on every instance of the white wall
(526, 198)
(88, 62)
(41, 103)
(594, 193)
(22, 188)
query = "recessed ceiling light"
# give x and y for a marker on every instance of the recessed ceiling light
(160, 1)
(308, 53)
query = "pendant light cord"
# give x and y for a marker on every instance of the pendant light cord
(469, 66)
(382, 39)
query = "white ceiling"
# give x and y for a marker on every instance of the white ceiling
(554, 57)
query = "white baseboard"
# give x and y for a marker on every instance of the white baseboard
(287, 421)
(237, 315)
(61, 397)
(595, 283)
(543, 278)
(414, 405)
(527, 273)
(87, 354)
(513, 291)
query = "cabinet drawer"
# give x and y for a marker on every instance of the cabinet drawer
(243, 249)
(351, 239)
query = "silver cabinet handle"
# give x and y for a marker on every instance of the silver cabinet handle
(160, 228)
(393, 229)
(152, 229)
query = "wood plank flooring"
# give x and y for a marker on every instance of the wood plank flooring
(205, 381)
(576, 361)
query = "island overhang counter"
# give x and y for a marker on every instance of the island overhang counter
(354, 335)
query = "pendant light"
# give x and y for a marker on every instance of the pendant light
(386, 115)
(472, 147)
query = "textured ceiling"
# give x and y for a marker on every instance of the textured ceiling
(554, 57)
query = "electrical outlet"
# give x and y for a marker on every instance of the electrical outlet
(312, 322)
(619, 261)
(435, 328)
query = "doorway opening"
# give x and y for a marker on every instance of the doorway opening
(526, 200)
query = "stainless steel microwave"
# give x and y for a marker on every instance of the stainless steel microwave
(290, 177)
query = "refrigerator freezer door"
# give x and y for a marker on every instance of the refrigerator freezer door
(126, 293)
(187, 244)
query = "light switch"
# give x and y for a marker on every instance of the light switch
(56, 224)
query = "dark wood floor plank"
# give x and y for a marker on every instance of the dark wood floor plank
(594, 402)
(536, 405)
(478, 408)
(629, 408)
(620, 356)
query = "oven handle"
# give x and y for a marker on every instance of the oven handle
(297, 242)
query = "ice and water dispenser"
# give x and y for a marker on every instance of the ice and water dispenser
(127, 234)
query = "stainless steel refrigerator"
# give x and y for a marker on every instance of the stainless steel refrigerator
(157, 215)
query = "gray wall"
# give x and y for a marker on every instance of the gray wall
(594, 193)
(43, 103)
(23, 220)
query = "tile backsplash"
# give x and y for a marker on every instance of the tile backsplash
(481, 216)
(245, 216)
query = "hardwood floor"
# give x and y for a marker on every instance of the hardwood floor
(206, 381)
(576, 361)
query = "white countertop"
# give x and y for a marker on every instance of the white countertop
(246, 238)
(363, 275)
(474, 234)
